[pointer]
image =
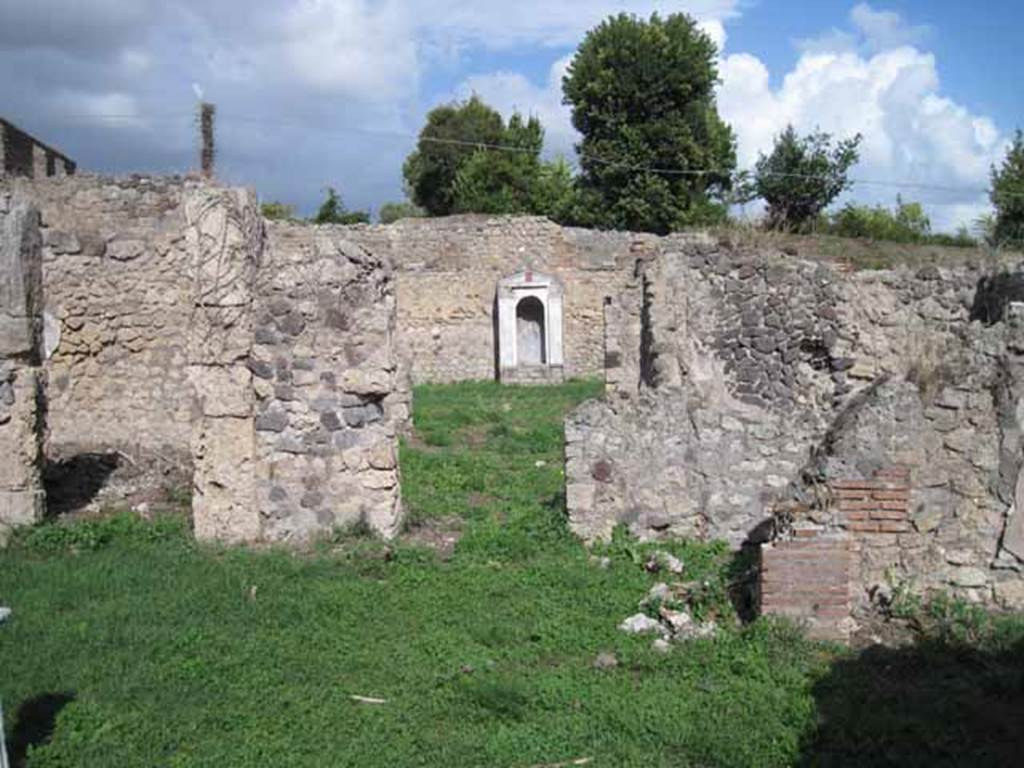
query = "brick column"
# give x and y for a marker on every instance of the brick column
(819, 574)
(21, 417)
(811, 579)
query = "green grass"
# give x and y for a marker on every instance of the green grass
(132, 646)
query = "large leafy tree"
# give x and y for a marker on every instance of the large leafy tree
(515, 179)
(451, 136)
(655, 155)
(1007, 195)
(483, 165)
(502, 181)
(802, 175)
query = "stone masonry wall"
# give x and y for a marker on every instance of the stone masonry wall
(176, 324)
(21, 412)
(737, 381)
(772, 389)
(448, 270)
(117, 292)
(329, 397)
(293, 362)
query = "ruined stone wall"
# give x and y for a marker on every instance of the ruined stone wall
(117, 286)
(21, 384)
(329, 398)
(292, 357)
(22, 155)
(448, 270)
(773, 388)
(177, 325)
(730, 351)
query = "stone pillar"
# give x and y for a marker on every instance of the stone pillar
(1010, 404)
(21, 415)
(225, 238)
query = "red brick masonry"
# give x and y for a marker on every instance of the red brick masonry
(880, 505)
(815, 576)
(810, 579)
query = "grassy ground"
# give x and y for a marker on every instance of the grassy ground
(131, 646)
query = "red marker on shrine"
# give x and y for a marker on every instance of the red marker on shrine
(529, 276)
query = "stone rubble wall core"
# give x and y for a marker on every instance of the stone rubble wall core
(299, 396)
(777, 397)
(330, 398)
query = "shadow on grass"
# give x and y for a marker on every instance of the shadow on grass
(741, 579)
(931, 704)
(35, 722)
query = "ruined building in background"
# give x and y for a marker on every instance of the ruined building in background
(861, 428)
(24, 155)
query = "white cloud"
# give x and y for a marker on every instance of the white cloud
(351, 46)
(715, 29)
(885, 29)
(557, 23)
(912, 133)
(872, 31)
(134, 62)
(509, 92)
(98, 108)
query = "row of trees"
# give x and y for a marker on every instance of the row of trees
(469, 160)
(655, 155)
(331, 211)
(642, 96)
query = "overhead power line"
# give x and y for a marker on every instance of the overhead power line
(491, 146)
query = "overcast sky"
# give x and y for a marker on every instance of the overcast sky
(318, 92)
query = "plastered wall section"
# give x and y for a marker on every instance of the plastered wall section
(117, 287)
(448, 270)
